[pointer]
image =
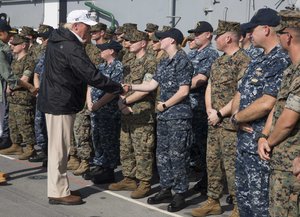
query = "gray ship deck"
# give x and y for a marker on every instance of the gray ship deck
(25, 196)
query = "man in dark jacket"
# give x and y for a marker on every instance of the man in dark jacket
(62, 94)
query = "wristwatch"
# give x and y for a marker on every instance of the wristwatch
(261, 135)
(220, 116)
(164, 106)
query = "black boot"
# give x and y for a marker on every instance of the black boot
(201, 186)
(229, 199)
(38, 158)
(5, 142)
(94, 170)
(107, 175)
(164, 196)
(178, 203)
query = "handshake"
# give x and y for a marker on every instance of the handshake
(126, 88)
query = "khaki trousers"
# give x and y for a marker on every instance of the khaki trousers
(60, 129)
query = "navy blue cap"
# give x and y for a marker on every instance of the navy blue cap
(116, 46)
(174, 33)
(4, 26)
(244, 29)
(264, 16)
(202, 26)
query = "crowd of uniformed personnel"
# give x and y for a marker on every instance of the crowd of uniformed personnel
(233, 116)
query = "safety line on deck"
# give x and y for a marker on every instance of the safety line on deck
(5, 156)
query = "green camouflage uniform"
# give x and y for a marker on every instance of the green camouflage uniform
(93, 53)
(21, 105)
(284, 188)
(283, 193)
(137, 129)
(226, 71)
(82, 134)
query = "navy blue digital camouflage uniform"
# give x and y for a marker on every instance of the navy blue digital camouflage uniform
(254, 52)
(39, 119)
(202, 61)
(263, 76)
(106, 121)
(174, 124)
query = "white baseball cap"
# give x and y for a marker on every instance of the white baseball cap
(80, 16)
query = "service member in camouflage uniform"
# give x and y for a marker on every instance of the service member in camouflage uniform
(174, 120)
(21, 101)
(137, 122)
(283, 141)
(5, 72)
(202, 60)
(225, 74)
(35, 48)
(254, 101)
(105, 118)
(41, 137)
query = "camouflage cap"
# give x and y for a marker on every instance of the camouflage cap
(289, 19)
(119, 30)
(19, 39)
(136, 36)
(129, 26)
(225, 26)
(44, 30)
(26, 30)
(151, 27)
(98, 27)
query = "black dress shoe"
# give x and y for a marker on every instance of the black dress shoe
(5, 142)
(164, 196)
(38, 158)
(90, 174)
(177, 204)
(104, 176)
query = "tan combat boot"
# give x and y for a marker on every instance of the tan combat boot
(2, 178)
(235, 212)
(83, 167)
(14, 149)
(28, 152)
(125, 184)
(73, 163)
(142, 190)
(211, 207)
